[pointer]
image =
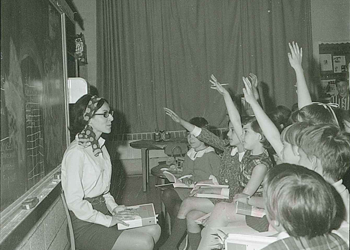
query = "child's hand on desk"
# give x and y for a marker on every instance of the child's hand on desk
(241, 197)
(187, 181)
(173, 115)
(199, 190)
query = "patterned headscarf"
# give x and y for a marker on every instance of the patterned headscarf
(87, 133)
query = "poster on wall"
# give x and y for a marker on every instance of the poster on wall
(326, 62)
(329, 86)
(339, 64)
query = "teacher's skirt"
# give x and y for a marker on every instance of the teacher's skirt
(91, 236)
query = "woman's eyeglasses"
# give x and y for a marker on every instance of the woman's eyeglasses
(106, 113)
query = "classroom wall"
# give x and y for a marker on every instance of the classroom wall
(330, 22)
(50, 233)
(87, 10)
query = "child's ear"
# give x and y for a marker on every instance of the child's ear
(276, 225)
(316, 162)
(295, 150)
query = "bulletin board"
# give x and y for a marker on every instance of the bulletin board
(334, 61)
(33, 95)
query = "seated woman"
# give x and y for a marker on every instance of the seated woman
(86, 177)
(200, 162)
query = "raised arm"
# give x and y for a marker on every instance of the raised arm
(233, 113)
(295, 58)
(177, 119)
(267, 126)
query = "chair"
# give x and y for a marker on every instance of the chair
(175, 150)
(69, 222)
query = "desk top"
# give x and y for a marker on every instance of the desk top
(157, 145)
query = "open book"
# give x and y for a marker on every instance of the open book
(145, 216)
(177, 182)
(217, 196)
(247, 242)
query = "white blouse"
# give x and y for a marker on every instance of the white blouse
(86, 176)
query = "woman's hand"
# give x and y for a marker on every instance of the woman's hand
(118, 218)
(173, 115)
(216, 85)
(295, 56)
(248, 91)
(118, 209)
(121, 213)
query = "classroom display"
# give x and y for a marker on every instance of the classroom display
(33, 106)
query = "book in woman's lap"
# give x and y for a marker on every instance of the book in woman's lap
(145, 216)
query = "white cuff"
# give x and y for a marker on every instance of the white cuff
(196, 131)
(225, 192)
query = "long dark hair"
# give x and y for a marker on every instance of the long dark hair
(77, 122)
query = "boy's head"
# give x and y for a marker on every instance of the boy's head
(325, 149)
(315, 113)
(343, 88)
(280, 116)
(299, 201)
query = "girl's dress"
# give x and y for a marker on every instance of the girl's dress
(200, 165)
(229, 162)
(86, 181)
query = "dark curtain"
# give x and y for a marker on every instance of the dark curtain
(161, 53)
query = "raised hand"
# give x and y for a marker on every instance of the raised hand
(295, 56)
(173, 115)
(218, 86)
(248, 91)
(253, 79)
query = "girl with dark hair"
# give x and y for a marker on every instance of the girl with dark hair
(200, 162)
(86, 176)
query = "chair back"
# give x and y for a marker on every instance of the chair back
(69, 222)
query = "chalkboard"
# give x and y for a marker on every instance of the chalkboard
(33, 105)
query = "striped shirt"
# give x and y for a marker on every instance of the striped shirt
(325, 242)
(343, 102)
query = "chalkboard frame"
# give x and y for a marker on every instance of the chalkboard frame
(63, 10)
